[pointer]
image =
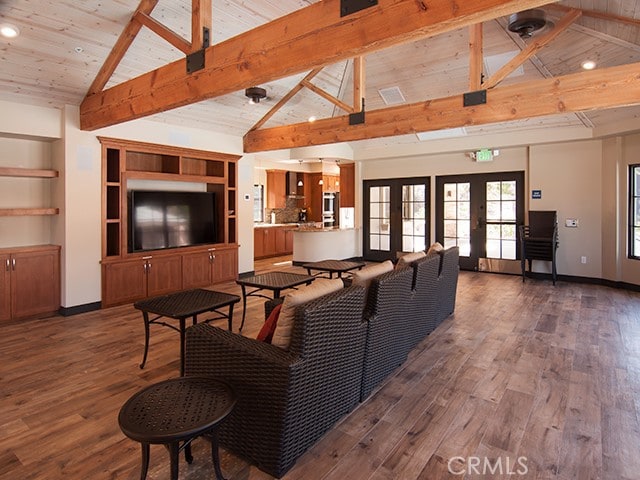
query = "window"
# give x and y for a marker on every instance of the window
(457, 216)
(634, 212)
(501, 219)
(414, 215)
(258, 203)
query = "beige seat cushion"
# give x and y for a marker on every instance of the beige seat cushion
(435, 248)
(365, 275)
(405, 260)
(320, 287)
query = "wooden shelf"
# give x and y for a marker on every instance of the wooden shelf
(14, 212)
(27, 172)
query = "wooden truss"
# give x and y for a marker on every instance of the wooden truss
(248, 59)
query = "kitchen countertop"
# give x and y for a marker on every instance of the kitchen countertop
(265, 225)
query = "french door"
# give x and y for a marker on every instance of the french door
(396, 217)
(480, 213)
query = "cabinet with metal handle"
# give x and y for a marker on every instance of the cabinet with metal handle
(30, 281)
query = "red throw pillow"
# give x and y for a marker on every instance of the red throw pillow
(266, 332)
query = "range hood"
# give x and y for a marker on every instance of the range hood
(293, 190)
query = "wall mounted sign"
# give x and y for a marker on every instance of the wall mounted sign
(536, 194)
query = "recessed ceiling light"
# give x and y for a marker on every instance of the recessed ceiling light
(9, 31)
(588, 64)
(78, 49)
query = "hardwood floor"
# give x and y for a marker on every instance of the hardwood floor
(528, 379)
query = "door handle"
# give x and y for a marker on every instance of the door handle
(8, 265)
(13, 263)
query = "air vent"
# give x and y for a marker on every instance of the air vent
(392, 95)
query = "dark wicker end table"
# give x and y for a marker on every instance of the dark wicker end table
(274, 281)
(173, 413)
(333, 266)
(180, 306)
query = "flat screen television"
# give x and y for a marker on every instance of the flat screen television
(166, 219)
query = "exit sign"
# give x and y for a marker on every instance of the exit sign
(484, 155)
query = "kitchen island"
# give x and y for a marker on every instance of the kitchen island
(315, 244)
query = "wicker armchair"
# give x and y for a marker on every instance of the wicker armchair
(286, 399)
(389, 331)
(448, 282)
(425, 299)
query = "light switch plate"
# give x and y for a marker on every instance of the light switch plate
(571, 223)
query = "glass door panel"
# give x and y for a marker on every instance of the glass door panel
(395, 217)
(480, 213)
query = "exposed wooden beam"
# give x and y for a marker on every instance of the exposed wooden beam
(476, 59)
(359, 79)
(120, 48)
(201, 17)
(598, 89)
(163, 32)
(286, 46)
(601, 15)
(327, 96)
(532, 48)
(286, 98)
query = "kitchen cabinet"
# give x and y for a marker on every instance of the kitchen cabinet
(272, 241)
(314, 213)
(347, 185)
(276, 188)
(30, 281)
(330, 183)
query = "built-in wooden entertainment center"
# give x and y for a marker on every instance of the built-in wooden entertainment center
(126, 276)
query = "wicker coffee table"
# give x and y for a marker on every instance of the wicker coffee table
(173, 413)
(180, 306)
(274, 281)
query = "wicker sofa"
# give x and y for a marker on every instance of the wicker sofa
(286, 399)
(343, 346)
(403, 306)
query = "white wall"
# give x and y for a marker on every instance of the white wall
(570, 177)
(629, 155)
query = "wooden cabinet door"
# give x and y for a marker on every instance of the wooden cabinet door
(347, 185)
(197, 270)
(288, 241)
(269, 241)
(276, 189)
(225, 265)
(5, 287)
(35, 283)
(164, 275)
(280, 240)
(258, 242)
(314, 213)
(124, 282)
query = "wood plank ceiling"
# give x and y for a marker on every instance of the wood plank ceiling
(64, 43)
